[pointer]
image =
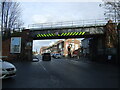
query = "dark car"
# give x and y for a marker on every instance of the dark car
(46, 57)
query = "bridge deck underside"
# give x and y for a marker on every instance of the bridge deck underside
(66, 37)
(64, 33)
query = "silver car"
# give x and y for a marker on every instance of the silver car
(7, 70)
(57, 55)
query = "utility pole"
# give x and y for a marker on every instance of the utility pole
(1, 29)
(2, 8)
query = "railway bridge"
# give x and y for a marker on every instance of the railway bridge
(61, 30)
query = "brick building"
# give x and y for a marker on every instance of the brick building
(43, 49)
(25, 49)
(75, 44)
(61, 46)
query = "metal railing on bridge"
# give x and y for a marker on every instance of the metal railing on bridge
(66, 24)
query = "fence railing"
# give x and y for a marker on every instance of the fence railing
(78, 23)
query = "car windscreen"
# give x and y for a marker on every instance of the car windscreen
(57, 54)
(46, 53)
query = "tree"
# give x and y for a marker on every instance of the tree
(112, 9)
(111, 35)
(10, 16)
(112, 12)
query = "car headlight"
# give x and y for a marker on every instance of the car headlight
(15, 69)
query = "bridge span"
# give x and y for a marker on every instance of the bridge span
(96, 30)
(76, 29)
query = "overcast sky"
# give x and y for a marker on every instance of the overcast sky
(43, 12)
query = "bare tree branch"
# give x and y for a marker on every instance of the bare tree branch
(10, 13)
(112, 9)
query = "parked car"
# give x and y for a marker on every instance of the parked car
(75, 53)
(46, 57)
(52, 54)
(57, 55)
(7, 70)
(35, 58)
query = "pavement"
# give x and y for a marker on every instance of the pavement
(63, 73)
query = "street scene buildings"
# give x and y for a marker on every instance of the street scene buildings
(62, 47)
(58, 44)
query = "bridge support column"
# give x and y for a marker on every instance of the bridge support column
(26, 46)
(29, 50)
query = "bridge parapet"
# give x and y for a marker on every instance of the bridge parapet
(68, 24)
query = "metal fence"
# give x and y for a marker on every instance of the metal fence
(78, 23)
